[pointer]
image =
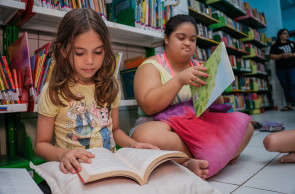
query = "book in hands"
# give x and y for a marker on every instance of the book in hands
(134, 163)
(220, 77)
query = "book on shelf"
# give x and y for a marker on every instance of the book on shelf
(20, 60)
(118, 56)
(10, 81)
(47, 67)
(8, 94)
(40, 65)
(133, 163)
(220, 77)
(133, 62)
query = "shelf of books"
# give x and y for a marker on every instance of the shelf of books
(253, 18)
(202, 17)
(231, 8)
(10, 9)
(250, 92)
(229, 26)
(47, 20)
(256, 38)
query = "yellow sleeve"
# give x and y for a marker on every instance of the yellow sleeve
(117, 101)
(45, 106)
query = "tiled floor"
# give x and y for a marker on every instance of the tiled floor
(258, 171)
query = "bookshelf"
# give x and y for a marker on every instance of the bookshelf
(201, 17)
(206, 42)
(9, 108)
(240, 21)
(226, 7)
(47, 20)
(8, 9)
(228, 29)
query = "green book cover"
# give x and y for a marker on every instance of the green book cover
(220, 77)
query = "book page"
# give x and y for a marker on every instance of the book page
(141, 159)
(220, 77)
(17, 181)
(224, 76)
(104, 161)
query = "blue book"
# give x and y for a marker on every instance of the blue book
(47, 64)
(32, 61)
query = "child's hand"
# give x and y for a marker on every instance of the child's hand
(69, 160)
(145, 146)
(191, 76)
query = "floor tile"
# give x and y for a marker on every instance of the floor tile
(257, 140)
(248, 190)
(276, 176)
(224, 187)
(257, 154)
(238, 173)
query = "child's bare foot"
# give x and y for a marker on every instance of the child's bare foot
(288, 158)
(199, 167)
(234, 160)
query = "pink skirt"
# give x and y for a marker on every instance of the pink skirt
(213, 136)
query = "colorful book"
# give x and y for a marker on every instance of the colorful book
(47, 64)
(220, 77)
(118, 63)
(20, 60)
(6, 83)
(11, 82)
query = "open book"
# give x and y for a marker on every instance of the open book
(220, 77)
(129, 162)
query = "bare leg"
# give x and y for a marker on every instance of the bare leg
(247, 136)
(289, 158)
(282, 142)
(219, 100)
(160, 134)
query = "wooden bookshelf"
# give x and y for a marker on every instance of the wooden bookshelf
(206, 42)
(201, 17)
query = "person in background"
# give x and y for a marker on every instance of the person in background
(164, 80)
(282, 142)
(80, 104)
(283, 52)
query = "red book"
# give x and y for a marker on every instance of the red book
(15, 96)
(20, 80)
(14, 75)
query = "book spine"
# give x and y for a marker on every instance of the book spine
(20, 80)
(3, 94)
(10, 80)
(17, 89)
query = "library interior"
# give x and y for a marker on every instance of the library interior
(247, 48)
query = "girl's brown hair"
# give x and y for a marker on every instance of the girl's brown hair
(74, 23)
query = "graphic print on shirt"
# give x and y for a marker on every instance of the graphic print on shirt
(104, 120)
(82, 121)
(286, 48)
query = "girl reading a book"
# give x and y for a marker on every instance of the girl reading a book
(161, 87)
(80, 104)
